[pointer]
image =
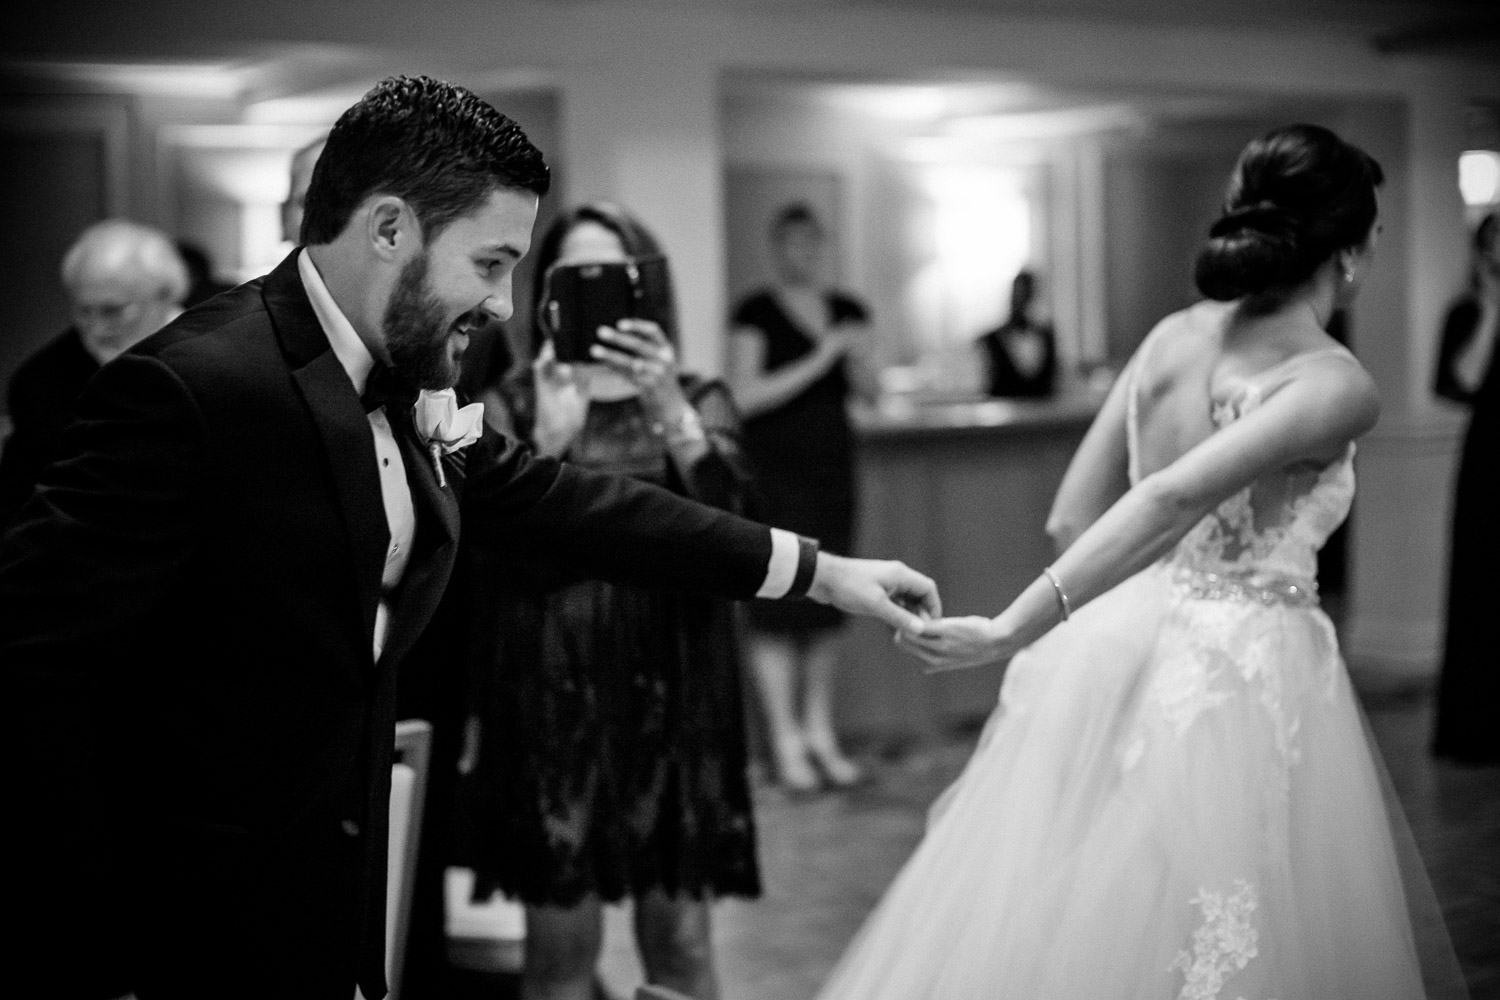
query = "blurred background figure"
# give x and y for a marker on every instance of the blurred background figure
(124, 281)
(303, 161)
(797, 352)
(1020, 354)
(202, 285)
(1468, 710)
(607, 750)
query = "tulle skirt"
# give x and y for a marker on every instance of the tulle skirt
(1175, 797)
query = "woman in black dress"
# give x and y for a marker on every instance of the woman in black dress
(610, 756)
(1468, 711)
(796, 352)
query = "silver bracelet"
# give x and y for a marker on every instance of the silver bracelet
(1062, 595)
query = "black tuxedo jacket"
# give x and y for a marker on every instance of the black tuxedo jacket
(203, 743)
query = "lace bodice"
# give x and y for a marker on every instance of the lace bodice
(1264, 540)
(1236, 573)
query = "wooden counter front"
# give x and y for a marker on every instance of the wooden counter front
(961, 492)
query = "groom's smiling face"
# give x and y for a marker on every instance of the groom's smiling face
(456, 282)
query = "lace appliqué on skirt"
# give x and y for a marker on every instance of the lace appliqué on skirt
(1218, 651)
(1223, 945)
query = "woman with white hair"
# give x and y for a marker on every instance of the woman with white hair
(124, 282)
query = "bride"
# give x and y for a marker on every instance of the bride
(1176, 796)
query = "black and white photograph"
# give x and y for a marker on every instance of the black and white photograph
(751, 500)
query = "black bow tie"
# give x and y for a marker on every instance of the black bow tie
(383, 387)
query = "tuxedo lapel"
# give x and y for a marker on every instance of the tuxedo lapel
(431, 564)
(343, 427)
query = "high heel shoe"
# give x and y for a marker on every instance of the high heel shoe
(837, 770)
(795, 772)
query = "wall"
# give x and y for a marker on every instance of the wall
(1157, 208)
(837, 153)
(538, 114)
(59, 170)
(73, 156)
(753, 197)
(885, 246)
(1399, 525)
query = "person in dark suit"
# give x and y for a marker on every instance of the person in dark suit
(1020, 355)
(205, 604)
(124, 281)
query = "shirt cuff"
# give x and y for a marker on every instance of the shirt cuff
(782, 569)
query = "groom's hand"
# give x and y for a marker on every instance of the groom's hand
(890, 591)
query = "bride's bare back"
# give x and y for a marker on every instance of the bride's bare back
(1204, 358)
(1125, 503)
(1244, 396)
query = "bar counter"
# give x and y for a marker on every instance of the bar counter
(959, 489)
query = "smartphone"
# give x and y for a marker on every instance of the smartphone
(579, 298)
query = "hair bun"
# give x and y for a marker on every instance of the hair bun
(1262, 217)
(1250, 249)
(1297, 195)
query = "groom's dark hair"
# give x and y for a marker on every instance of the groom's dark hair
(433, 144)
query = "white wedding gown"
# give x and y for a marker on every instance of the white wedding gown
(1176, 798)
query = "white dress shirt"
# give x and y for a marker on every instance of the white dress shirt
(400, 516)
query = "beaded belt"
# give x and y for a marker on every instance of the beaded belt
(1262, 588)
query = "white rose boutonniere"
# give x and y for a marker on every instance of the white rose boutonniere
(445, 427)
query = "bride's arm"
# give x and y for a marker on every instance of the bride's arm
(1310, 418)
(1098, 473)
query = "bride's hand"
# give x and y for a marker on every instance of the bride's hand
(955, 643)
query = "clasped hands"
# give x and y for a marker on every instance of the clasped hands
(909, 603)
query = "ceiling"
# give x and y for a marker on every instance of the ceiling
(1447, 26)
(303, 80)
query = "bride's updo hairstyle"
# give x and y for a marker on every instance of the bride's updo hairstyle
(1299, 194)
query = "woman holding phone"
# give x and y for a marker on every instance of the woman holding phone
(608, 742)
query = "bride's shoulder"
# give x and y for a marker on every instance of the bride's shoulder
(1194, 329)
(1341, 379)
(1181, 340)
(1327, 391)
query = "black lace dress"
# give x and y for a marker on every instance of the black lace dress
(612, 749)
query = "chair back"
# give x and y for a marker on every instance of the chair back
(408, 795)
(649, 992)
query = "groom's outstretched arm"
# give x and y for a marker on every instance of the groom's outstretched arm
(529, 508)
(889, 591)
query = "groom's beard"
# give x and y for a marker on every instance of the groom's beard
(418, 336)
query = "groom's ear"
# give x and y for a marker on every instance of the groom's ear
(391, 227)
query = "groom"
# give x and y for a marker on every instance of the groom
(204, 606)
